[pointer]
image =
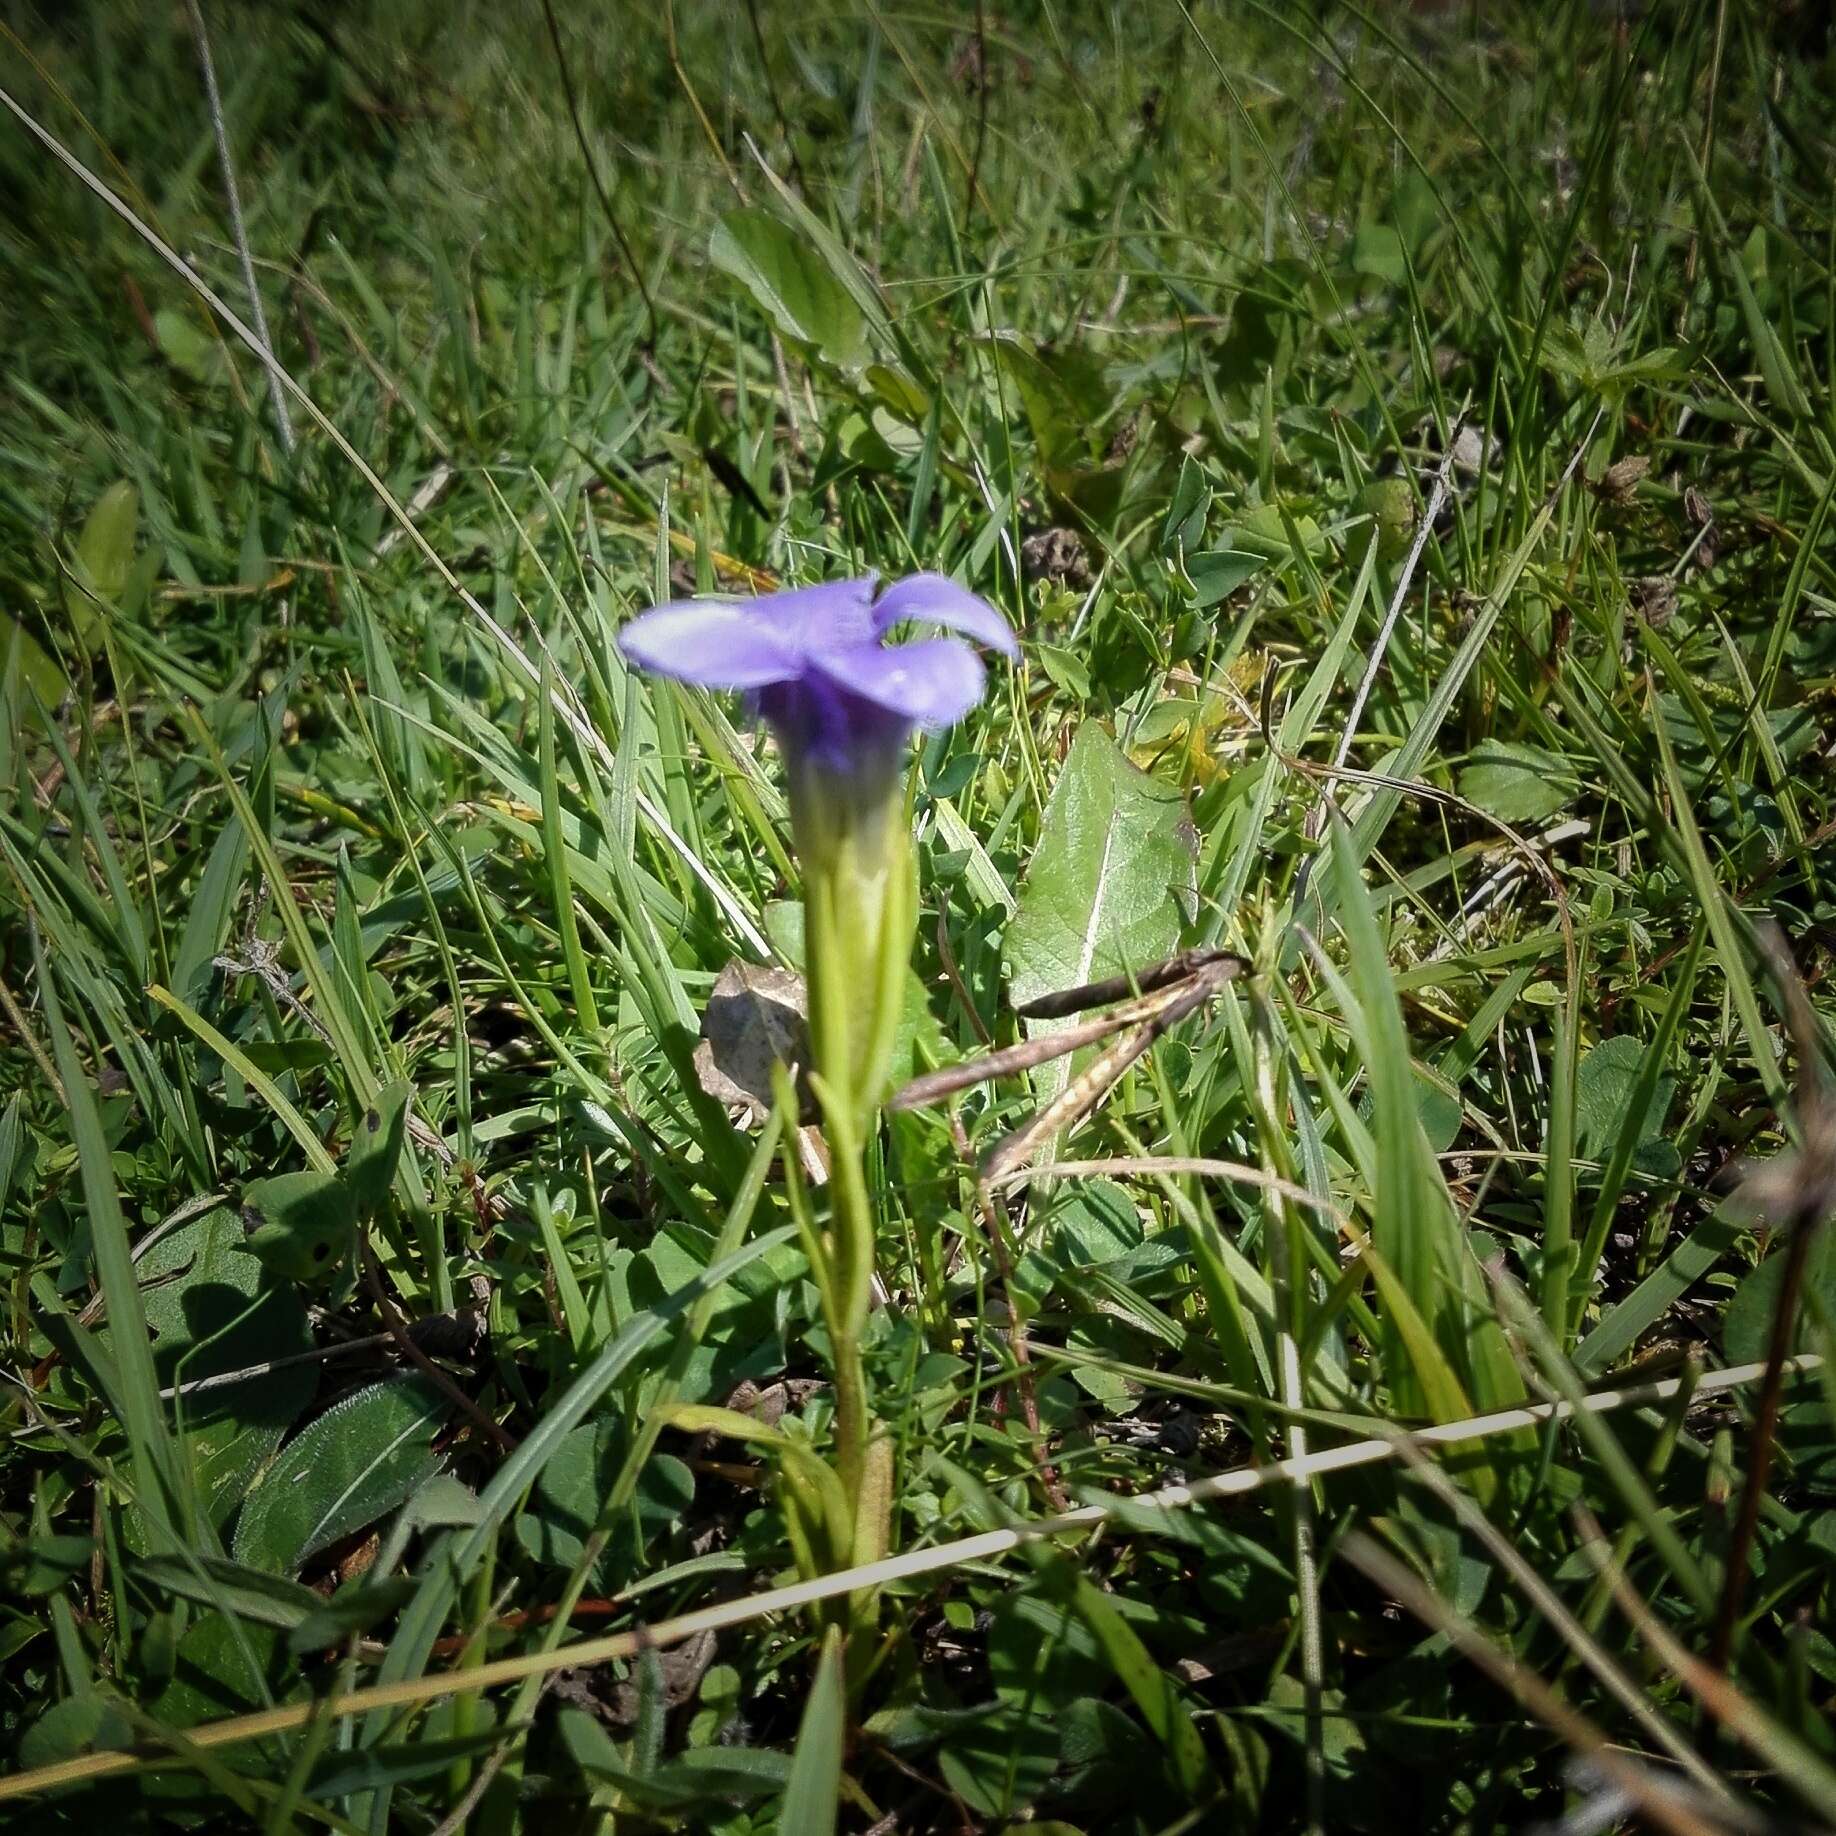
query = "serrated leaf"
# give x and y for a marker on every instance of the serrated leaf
(344, 1470)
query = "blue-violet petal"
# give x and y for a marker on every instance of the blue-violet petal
(711, 643)
(934, 599)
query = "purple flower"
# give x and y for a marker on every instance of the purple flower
(841, 700)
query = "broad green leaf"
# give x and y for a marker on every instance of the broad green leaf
(102, 560)
(1184, 525)
(376, 1147)
(88, 1722)
(1111, 877)
(33, 665)
(849, 275)
(1000, 1760)
(1040, 1651)
(566, 1501)
(1154, 1692)
(1391, 506)
(1261, 530)
(345, 1772)
(354, 1608)
(1746, 1327)
(1613, 1077)
(189, 349)
(344, 1470)
(212, 1310)
(1062, 393)
(1377, 250)
(226, 1666)
(792, 283)
(301, 1225)
(43, 1564)
(1517, 783)
(702, 1775)
(249, 1593)
(1217, 573)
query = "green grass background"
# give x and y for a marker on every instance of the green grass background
(291, 813)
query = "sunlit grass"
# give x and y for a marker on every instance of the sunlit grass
(1156, 328)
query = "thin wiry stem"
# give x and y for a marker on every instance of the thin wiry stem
(1798, 1765)
(973, 182)
(1651, 1720)
(1437, 496)
(999, 1222)
(258, 318)
(771, 90)
(1809, 1180)
(586, 158)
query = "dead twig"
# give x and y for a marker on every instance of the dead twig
(1164, 994)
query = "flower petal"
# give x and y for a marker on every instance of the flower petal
(706, 641)
(931, 683)
(816, 619)
(940, 601)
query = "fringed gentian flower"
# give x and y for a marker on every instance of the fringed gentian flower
(843, 703)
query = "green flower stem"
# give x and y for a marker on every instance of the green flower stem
(860, 911)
